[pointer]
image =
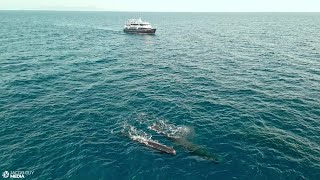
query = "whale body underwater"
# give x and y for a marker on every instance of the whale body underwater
(192, 148)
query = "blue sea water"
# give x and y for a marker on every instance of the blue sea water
(246, 84)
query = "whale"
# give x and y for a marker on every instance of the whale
(153, 144)
(182, 141)
(144, 139)
(160, 147)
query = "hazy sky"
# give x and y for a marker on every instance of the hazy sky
(166, 5)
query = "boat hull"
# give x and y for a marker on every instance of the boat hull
(140, 31)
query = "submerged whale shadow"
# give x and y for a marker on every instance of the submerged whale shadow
(179, 135)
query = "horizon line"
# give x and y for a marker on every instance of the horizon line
(97, 10)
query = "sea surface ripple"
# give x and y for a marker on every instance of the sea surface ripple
(248, 84)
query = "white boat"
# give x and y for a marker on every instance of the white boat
(138, 26)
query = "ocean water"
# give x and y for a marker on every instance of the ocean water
(246, 86)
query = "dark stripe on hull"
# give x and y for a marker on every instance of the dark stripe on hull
(140, 31)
